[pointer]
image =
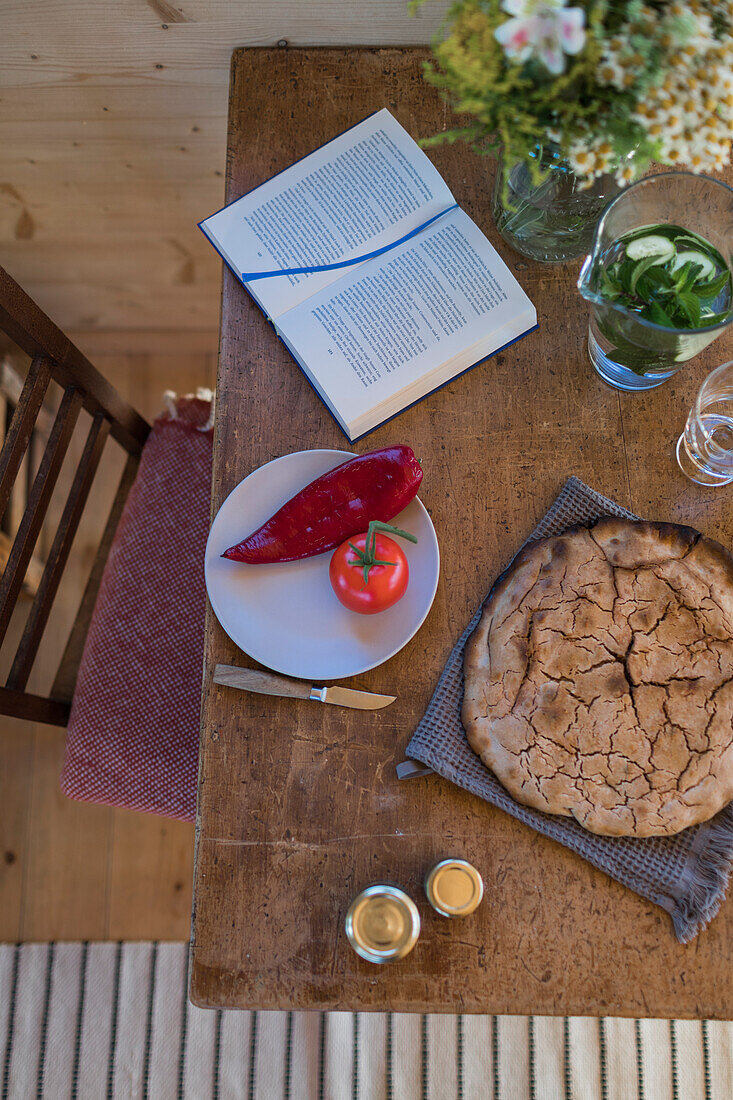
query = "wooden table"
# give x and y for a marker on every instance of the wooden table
(299, 806)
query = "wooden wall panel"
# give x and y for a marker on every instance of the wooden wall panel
(112, 143)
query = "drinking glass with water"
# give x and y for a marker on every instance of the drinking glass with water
(705, 448)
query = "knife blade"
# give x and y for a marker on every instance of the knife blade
(267, 683)
(350, 697)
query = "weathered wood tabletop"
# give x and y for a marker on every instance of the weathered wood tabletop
(299, 805)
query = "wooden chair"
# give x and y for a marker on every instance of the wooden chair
(54, 357)
(11, 387)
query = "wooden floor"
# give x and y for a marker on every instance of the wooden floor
(113, 140)
(112, 132)
(69, 870)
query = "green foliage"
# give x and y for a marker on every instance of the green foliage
(519, 107)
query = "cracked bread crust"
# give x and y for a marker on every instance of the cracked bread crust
(599, 680)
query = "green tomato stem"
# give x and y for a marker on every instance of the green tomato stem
(367, 557)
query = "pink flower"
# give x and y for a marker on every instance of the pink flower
(542, 28)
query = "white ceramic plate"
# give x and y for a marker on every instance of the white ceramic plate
(286, 616)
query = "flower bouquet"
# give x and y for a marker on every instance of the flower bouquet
(577, 100)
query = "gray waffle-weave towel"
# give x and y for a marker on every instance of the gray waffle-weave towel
(686, 874)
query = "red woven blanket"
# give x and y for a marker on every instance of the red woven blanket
(134, 728)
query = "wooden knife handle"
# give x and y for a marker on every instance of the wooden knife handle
(265, 683)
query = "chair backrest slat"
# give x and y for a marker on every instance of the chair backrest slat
(53, 358)
(38, 501)
(59, 553)
(34, 708)
(21, 426)
(63, 685)
(29, 327)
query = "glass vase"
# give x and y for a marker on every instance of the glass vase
(553, 220)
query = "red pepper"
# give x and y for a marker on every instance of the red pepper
(377, 485)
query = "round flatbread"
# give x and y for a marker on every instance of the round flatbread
(599, 680)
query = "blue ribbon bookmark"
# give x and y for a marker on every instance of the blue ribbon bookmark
(250, 276)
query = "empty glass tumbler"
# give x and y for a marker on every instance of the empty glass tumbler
(627, 350)
(705, 448)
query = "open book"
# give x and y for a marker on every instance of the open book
(380, 286)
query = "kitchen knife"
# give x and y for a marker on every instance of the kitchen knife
(267, 683)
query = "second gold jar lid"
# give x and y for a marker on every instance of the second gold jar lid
(454, 888)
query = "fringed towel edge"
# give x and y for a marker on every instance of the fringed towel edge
(710, 878)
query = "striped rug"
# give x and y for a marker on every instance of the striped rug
(112, 1020)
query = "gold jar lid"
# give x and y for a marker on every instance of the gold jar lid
(454, 888)
(382, 924)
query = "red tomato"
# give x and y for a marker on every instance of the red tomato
(386, 584)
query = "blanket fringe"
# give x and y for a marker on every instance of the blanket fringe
(203, 393)
(170, 397)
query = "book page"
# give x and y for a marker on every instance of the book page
(365, 189)
(381, 329)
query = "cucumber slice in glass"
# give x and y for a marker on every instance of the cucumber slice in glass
(687, 242)
(643, 248)
(695, 257)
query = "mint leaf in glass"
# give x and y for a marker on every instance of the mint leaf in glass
(668, 275)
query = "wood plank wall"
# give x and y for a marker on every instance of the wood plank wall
(112, 143)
